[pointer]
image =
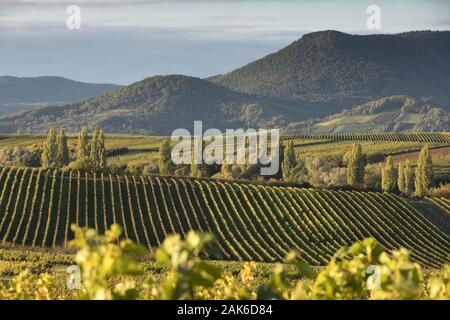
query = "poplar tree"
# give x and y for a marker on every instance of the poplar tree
(401, 177)
(97, 155)
(101, 150)
(83, 145)
(50, 152)
(63, 150)
(424, 172)
(407, 172)
(197, 169)
(355, 168)
(388, 175)
(289, 161)
(164, 158)
(94, 156)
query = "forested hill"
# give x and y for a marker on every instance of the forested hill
(344, 69)
(158, 105)
(48, 89)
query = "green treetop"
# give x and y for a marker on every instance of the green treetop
(63, 150)
(407, 172)
(424, 172)
(355, 168)
(164, 158)
(388, 175)
(50, 152)
(83, 145)
(101, 150)
(289, 161)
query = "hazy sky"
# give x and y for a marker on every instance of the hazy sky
(122, 41)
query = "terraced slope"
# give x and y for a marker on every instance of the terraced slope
(251, 222)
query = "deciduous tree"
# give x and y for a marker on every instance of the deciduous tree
(83, 145)
(356, 164)
(424, 172)
(164, 158)
(63, 150)
(50, 152)
(388, 175)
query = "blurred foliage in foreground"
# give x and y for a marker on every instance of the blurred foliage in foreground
(109, 269)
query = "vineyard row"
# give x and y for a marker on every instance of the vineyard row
(250, 222)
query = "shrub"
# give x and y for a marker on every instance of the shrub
(443, 191)
(20, 157)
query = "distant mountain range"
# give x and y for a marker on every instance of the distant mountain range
(319, 75)
(18, 93)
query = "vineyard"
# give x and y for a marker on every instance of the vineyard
(442, 137)
(250, 222)
(442, 203)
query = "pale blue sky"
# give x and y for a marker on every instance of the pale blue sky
(123, 41)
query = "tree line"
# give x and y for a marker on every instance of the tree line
(392, 179)
(90, 153)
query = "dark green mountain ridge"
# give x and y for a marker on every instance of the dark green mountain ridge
(157, 105)
(48, 89)
(343, 70)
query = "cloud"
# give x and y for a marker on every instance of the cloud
(125, 55)
(128, 39)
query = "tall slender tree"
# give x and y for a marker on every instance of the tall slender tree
(289, 161)
(83, 145)
(407, 172)
(63, 150)
(401, 177)
(424, 172)
(197, 169)
(164, 158)
(355, 168)
(94, 148)
(50, 152)
(101, 150)
(388, 175)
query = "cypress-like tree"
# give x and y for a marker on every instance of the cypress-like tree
(388, 175)
(407, 172)
(164, 158)
(355, 168)
(197, 169)
(63, 150)
(401, 177)
(97, 155)
(101, 150)
(289, 161)
(424, 172)
(94, 156)
(50, 152)
(83, 145)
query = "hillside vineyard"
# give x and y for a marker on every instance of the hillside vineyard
(443, 137)
(250, 222)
